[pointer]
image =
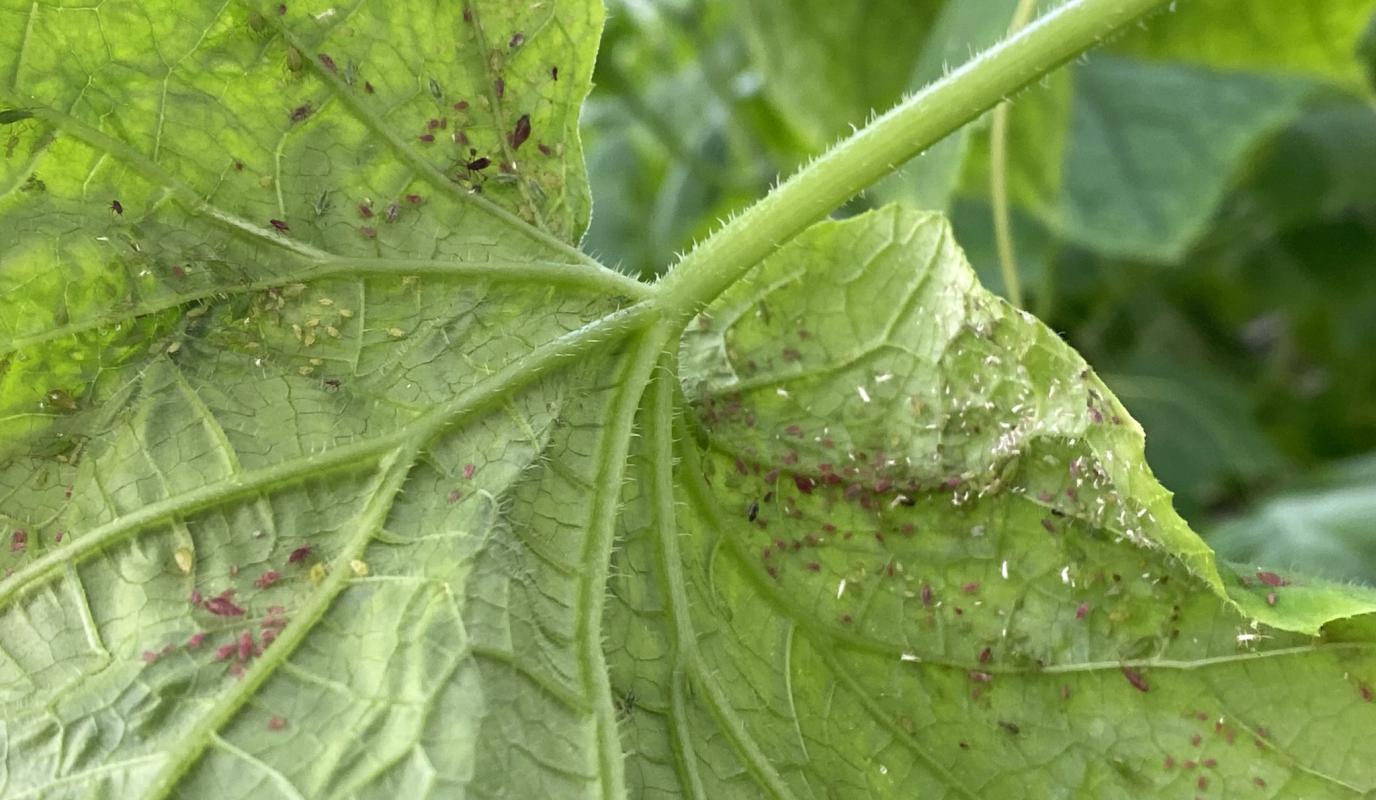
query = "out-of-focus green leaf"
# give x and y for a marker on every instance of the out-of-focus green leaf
(1325, 526)
(1159, 128)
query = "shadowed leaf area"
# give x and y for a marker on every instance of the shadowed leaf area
(330, 467)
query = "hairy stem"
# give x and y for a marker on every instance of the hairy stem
(998, 177)
(879, 148)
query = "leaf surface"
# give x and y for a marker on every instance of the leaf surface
(307, 497)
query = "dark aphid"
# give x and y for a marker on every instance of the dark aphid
(365, 210)
(301, 112)
(753, 511)
(426, 137)
(521, 132)
(462, 105)
(1366, 692)
(333, 384)
(414, 199)
(1011, 727)
(804, 483)
(554, 73)
(117, 207)
(544, 150)
(986, 655)
(1137, 679)
(499, 88)
(847, 619)
(517, 39)
(479, 164)
(433, 124)
(927, 595)
(279, 225)
(281, 9)
(393, 211)
(368, 87)
(327, 62)
(367, 232)
(468, 15)
(813, 566)
(299, 554)
(223, 607)
(1082, 611)
(1196, 740)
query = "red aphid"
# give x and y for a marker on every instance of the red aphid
(276, 723)
(1137, 679)
(19, 540)
(926, 594)
(197, 639)
(1082, 611)
(433, 124)
(178, 271)
(545, 150)
(455, 496)
(846, 619)
(223, 607)
(468, 471)
(226, 652)
(367, 232)
(327, 62)
(1272, 579)
(149, 656)
(196, 597)
(245, 646)
(426, 137)
(414, 199)
(365, 210)
(299, 554)
(267, 579)
(279, 225)
(971, 587)
(462, 105)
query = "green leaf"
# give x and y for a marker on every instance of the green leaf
(1135, 160)
(310, 496)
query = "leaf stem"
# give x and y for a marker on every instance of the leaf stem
(998, 177)
(878, 149)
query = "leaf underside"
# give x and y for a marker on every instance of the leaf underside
(404, 496)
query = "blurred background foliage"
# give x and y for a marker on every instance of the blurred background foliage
(1193, 208)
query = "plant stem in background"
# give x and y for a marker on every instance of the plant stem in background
(998, 177)
(878, 149)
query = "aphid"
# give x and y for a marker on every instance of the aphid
(517, 39)
(927, 594)
(1272, 579)
(1169, 763)
(813, 566)
(1365, 690)
(149, 656)
(499, 88)
(804, 483)
(468, 471)
(279, 225)
(299, 554)
(267, 579)
(225, 652)
(1082, 611)
(1260, 782)
(333, 384)
(295, 61)
(301, 112)
(1011, 727)
(433, 124)
(117, 207)
(462, 105)
(468, 15)
(436, 91)
(1209, 763)
(365, 210)
(197, 639)
(1137, 679)
(179, 272)
(367, 232)
(1196, 740)
(521, 132)
(196, 597)
(368, 87)
(986, 655)
(1049, 525)
(281, 9)
(19, 540)
(846, 619)
(752, 511)
(327, 62)
(1202, 783)
(223, 607)
(57, 537)
(277, 723)
(245, 646)
(393, 211)
(426, 137)
(455, 496)
(185, 559)
(554, 73)
(971, 588)
(1271, 598)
